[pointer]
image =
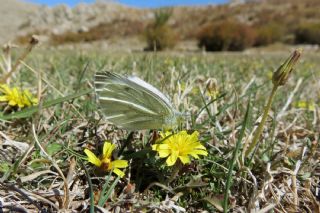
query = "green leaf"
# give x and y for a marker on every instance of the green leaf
(265, 158)
(305, 176)
(4, 167)
(54, 148)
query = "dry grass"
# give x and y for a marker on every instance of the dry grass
(42, 161)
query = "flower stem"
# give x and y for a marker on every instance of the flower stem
(263, 121)
(175, 171)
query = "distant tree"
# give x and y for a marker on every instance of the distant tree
(308, 33)
(269, 33)
(227, 35)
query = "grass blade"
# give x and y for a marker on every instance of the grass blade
(90, 187)
(235, 155)
(106, 197)
(101, 201)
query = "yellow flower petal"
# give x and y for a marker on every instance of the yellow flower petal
(105, 162)
(16, 96)
(20, 105)
(200, 146)
(34, 101)
(108, 149)
(309, 105)
(194, 155)
(15, 91)
(171, 160)
(184, 159)
(199, 152)
(164, 153)
(180, 145)
(12, 103)
(118, 172)
(194, 136)
(5, 89)
(3, 98)
(163, 149)
(92, 158)
(155, 147)
(119, 164)
(163, 146)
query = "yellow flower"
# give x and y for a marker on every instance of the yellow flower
(16, 97)
(305, 105)
(194, 90)
(179, 145)
(105, 162)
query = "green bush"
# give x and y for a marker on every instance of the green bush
(158, 34)
(308, 33)
(269, 33)
(226, 36)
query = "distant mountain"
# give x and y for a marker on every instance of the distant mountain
(62, 18)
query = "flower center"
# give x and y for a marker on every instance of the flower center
(105, 163)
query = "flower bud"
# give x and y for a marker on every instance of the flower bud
(281, 75)
(212, 87)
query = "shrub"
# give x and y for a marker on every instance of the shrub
(226, 35)
(269, 33)
(308, 33)
(159, 35)
(103, 31)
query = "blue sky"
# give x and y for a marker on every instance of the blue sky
(136, 3)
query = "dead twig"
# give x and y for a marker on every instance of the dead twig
(33, 42)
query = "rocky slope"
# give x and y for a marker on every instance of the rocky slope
(106, 19)
(13, 14)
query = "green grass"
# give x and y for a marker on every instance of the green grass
(69, 121)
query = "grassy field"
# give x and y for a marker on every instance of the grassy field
(225, 95)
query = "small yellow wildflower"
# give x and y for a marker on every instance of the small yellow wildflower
(16, 97)
(305, 105)
(179, 145)
(193, 91)
(105, 162)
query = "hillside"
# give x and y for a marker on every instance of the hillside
(109, 20)
(13, 14)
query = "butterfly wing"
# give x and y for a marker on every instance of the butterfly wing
(132, 103)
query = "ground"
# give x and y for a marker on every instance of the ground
(223, 93)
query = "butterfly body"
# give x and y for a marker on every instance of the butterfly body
(133, 104)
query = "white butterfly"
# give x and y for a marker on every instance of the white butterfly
(133, 104)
